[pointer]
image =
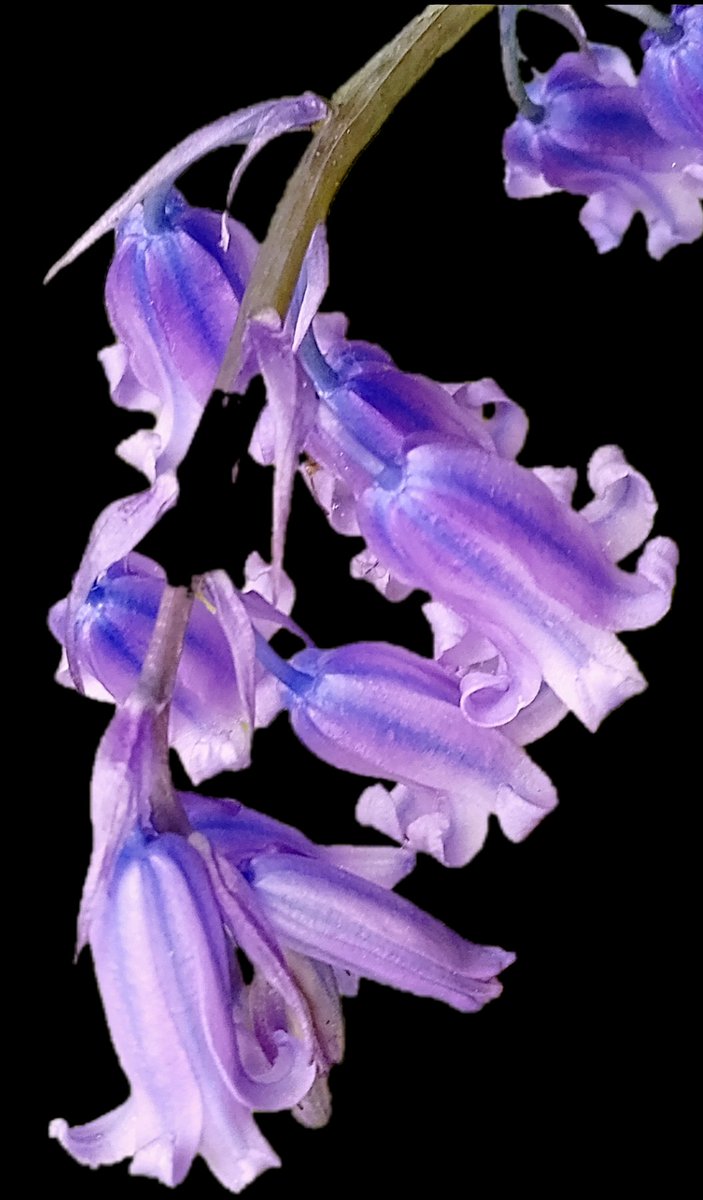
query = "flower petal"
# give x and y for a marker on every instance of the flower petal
(353, 924)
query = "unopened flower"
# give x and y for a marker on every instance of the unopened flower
(589, 134)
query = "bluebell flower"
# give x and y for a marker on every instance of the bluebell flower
(501, 547)
(334, 904)
(165, 975)
(381, 711)
(172, 295)
(590, 134)
(221, 693)
(332, 913)
(671, 79)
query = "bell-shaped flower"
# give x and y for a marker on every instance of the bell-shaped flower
(588, 133)
(172, 295)
(335, 918)
(164, 971)
(503, 550)
(221, 692)
(671, 79)
(379, 710)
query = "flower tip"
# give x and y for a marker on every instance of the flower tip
(58, 1129)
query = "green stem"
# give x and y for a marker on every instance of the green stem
(359, 109)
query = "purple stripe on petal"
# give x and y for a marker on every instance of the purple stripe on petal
(213, 709)
(492, 542)
(359, 927)
(163, 969)
(379, 710)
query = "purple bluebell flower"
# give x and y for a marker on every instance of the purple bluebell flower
(172, 295)
(221, 693)
(671, 79)
(175, 283)
(379, 710)
(165, 975)
(501, 547)
(589, 134)
(335, 919)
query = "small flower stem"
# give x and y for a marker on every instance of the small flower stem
(296, 681)
(154, 690)
(510, 57)
(359, 109)
(651, 17)
(158, 676)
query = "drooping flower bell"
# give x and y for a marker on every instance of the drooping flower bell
(165, 976)
(588, 133)
(379, 710)
(221, 692)
(335, 919)
(172, 295)
(501, 547)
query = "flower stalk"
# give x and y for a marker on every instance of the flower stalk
(359, 109)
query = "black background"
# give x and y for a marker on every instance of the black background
(572, 1077)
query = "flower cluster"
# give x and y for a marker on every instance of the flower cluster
(179, 883)
(526, 599)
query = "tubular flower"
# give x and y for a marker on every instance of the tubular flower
(589, 134)
(500, 546)
(671, 80)
(379, 710)
(221, 693)
(172, 295)
(335, 919)
(165, 976)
